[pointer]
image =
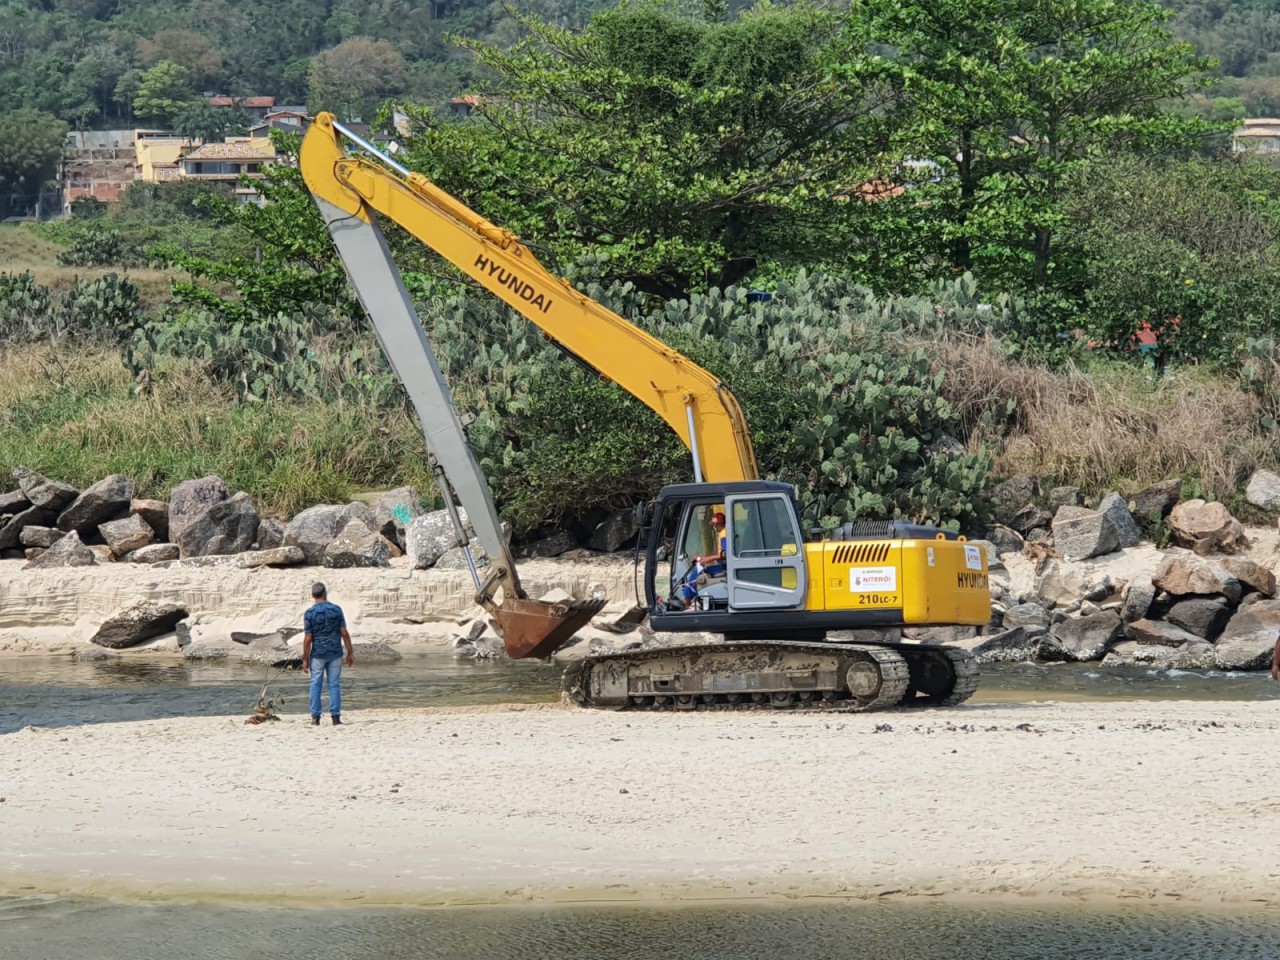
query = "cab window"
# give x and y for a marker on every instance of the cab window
(762, 528)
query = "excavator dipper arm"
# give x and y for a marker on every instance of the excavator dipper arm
(530, 628)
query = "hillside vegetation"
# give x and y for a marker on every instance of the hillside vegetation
(947, 303)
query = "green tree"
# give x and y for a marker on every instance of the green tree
(1006, 97)
(1187, 247)
(353, 78)
(163, 92)
(31, 145)
(203, 121)
(684, 152)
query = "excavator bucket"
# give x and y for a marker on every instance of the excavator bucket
(538, 628)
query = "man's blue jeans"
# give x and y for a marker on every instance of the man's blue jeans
(332, 667)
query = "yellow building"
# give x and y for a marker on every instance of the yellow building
(157, 155)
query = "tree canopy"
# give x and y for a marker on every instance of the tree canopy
(682, 152)
(31, 146)
(79, 60)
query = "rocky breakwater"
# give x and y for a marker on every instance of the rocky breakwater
(98, 571)
(1148, 579)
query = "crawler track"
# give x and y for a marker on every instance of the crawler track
(777, 675)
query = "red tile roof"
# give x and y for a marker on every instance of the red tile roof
(250, 102)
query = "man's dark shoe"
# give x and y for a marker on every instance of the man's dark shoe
(315, 721)
(336, 719)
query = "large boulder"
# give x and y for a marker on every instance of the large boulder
(270, 534)
(394, 511)
(551, 546)
(456, 559)
(43, 492)
(156, 515)
(190, 499)
(1012, 494)
(107, 499)
(1159, 634)
(70, 551)
(274, 557)
(1263, 490)
(314, 529)
(614, 532)
(1081, 638)
(15, 501)
(1026, 615)
(153, 553)
(1065, 497)
(1203, 616)
(1030, 517)
(1193, 655)
(1138, 598)
(1206, 527)
(357, 546)
(125, 536)
(429, 536)
(1249, 641)
(42, 537)
(228, 527)
(1080, 533)
(1116, 509)
(142, 621)
(1253, 577)
(358, 511)
(11, 527)
(1182, 575)
(1003, 540)
(1152, 505)
(1009, 646)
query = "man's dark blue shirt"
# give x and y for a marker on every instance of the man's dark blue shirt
(324, 622)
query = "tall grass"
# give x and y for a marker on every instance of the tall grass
(1110, 426)
(23, 248)
(75, 414)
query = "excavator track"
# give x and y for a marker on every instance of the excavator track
(774, 675)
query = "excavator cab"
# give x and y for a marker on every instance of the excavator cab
(763, 569)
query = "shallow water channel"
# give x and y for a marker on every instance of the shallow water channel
(47, 691)
(33, 928)
(53, 692)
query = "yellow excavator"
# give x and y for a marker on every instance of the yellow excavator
(752, 578)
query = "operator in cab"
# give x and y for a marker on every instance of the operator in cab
(704, 567)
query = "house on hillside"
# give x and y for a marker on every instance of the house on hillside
(1261, 135)
(158, 155)
(226, 162)
(97, 164)
(463, 106)
(291, 119)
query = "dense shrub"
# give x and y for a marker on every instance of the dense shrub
(838, 404)
(1188, 248)
(103, 310)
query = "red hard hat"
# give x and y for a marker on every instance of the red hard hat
(717, 517)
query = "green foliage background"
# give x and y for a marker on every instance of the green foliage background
(1053, 183)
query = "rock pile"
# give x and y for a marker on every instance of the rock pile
(1194, 603)
(52, 524)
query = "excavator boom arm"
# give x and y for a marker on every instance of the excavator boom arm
(694, 403)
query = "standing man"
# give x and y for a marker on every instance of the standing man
(1275, 661)
(322, 645)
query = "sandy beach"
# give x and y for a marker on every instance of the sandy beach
(1161, 802)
